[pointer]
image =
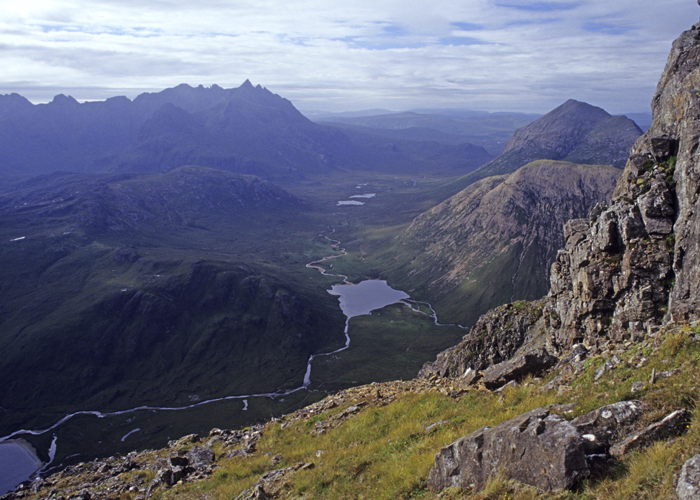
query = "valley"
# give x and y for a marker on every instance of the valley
(394, 342)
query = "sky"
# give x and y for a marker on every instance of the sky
(493, 55)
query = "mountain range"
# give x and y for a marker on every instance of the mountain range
(245, 130)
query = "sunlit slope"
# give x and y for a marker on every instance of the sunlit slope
(494, 241)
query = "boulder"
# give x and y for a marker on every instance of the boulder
(688, 487)
(673, 425)
(200, 456)
(656, 207)
(537, 448)
(519, 366)
(610, 423)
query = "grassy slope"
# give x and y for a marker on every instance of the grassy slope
(221, 266)
(385, 450)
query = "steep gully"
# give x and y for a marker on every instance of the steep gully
(403, 298)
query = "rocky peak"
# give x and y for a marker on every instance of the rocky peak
(576, 132)
(560, 128)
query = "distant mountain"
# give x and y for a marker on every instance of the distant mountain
(575, 131)
(494, 242)
(250, 130)
(414, 149)
(488, 130)
(245, 130)
(134, 288)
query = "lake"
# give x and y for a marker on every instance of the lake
(366, 296)
(17, 462)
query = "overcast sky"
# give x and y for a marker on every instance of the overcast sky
(330, 55)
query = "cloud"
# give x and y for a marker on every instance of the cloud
(487, 54)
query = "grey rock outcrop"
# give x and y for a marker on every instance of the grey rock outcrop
(529, 363)
(612, 279)
(546, 451)
(688, 487)
(554, 451)
(676, 118)
(673, 425)
(192, 465)
(495, 338)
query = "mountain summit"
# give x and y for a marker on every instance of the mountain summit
(575, 132)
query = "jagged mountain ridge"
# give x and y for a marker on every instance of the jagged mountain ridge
(212, 127)
(495, 241)
(245, 130)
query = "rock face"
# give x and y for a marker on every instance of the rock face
(554, 451)
(611, 280)
(495, 241)
(495, 338)
(676, 128)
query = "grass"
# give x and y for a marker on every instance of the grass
(385, 452)
(391, 343)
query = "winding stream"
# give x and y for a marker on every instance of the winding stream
(354, 299)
